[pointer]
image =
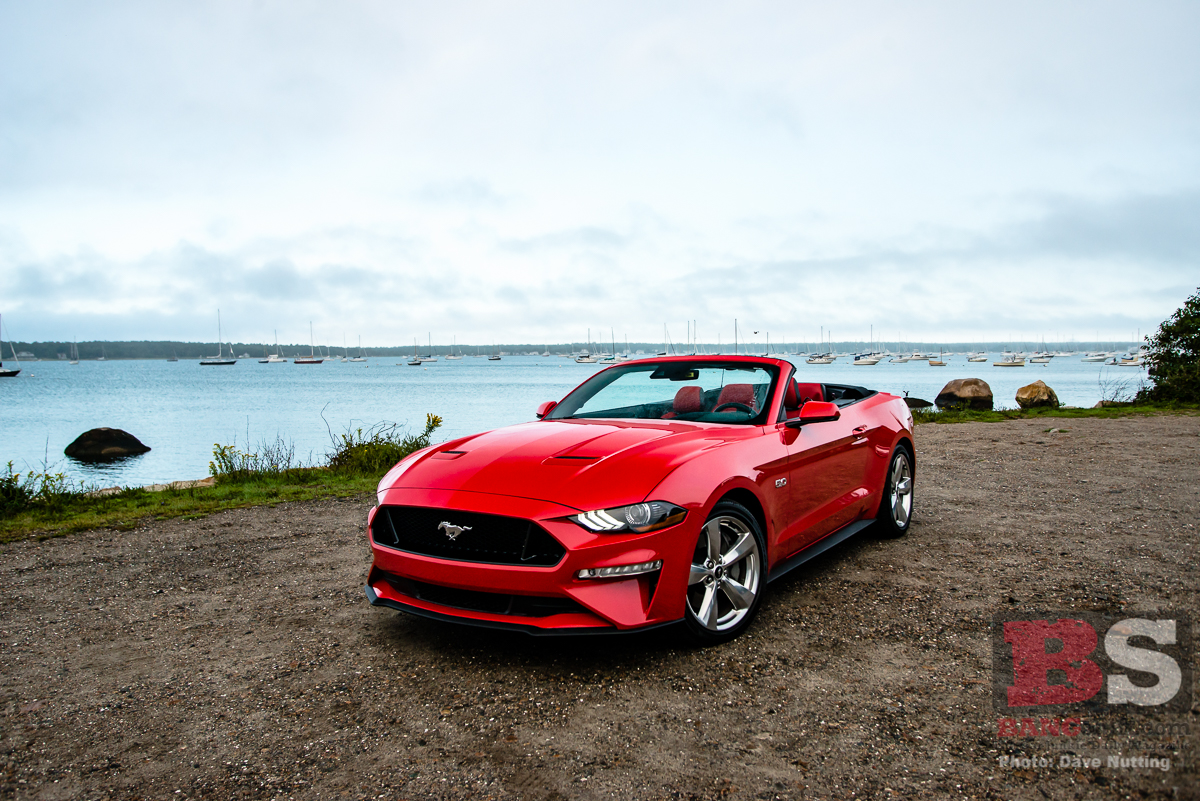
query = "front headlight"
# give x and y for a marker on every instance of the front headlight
(638, 517)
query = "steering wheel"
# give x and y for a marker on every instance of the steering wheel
(741, 407)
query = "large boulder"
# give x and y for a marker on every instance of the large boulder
(1036, 394)
(104, 444)
(965, 393)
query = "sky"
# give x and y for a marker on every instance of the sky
(530, 171)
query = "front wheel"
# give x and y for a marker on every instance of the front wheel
(727, 575)
(895, 508)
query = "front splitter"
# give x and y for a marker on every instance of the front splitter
(533, 631)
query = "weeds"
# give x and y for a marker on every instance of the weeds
(358, 452)
(270, 460)
(374, 450)
(1117, 391)
(46, 490)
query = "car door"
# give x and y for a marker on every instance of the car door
(827, 463)
(773, 469)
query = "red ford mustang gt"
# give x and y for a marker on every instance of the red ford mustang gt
(659, 491)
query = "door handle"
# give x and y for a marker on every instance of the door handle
(859, 430)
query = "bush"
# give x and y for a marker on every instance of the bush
(358, 452)
(49, 490)
(373, 451)
(270, 460)
(1174, 356)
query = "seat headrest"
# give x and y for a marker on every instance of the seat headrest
(738, 393)
(688, 399)
(809, 392)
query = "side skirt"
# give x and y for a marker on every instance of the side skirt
(818, 548)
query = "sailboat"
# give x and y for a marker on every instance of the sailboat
(938, 361)
(610, 358)
(174, 357)
(75, 353)
(587, 357)
(276, 357)
(8, 373)
(312, 358)
(217, 360)
(430, 357)
(416, 360)
(495, 357)
(359, 357)
(452, 356)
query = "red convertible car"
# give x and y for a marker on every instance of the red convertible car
(660, 491)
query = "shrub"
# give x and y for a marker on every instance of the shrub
(374, 450)
(48, 490)
(271, 459)
(1174, 356)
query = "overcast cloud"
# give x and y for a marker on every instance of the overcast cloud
(520, 172)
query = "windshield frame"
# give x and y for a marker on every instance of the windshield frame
(579, 396)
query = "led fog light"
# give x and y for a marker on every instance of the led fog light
(620, 570)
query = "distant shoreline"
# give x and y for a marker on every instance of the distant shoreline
(131, 350)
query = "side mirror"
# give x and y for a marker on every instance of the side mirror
(544, 409)
(815, 412)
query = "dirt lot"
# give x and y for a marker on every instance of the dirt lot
(236, 657)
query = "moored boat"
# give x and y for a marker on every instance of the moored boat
(215, 361)
(312, 357)
(8, 373)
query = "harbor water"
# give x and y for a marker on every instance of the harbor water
(182, 409)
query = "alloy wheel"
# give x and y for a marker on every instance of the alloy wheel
(726, 574)
(900, 483)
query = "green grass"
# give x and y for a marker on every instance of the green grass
(45, 505)
(131, 507)
(1000, 415)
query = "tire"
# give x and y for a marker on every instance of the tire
(728, 576)
(896, 505)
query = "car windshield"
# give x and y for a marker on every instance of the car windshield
(712, 392)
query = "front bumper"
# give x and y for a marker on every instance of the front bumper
(536, 600)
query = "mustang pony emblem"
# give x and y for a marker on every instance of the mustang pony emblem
(452, 531)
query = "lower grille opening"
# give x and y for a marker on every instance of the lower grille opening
(479, 601)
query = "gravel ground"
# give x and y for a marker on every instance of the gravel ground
(235, 656)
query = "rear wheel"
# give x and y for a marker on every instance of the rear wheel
(895, 509)
(727, 576)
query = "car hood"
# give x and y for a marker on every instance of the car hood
(581, 464)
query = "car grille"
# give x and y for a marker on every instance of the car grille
(478, 601)
(491, 539)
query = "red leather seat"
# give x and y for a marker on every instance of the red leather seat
(737, 393)
(807, 392)
(687, 399)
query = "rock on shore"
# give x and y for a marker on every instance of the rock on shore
(1036, 394)
(103, 444)
(965, 393)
